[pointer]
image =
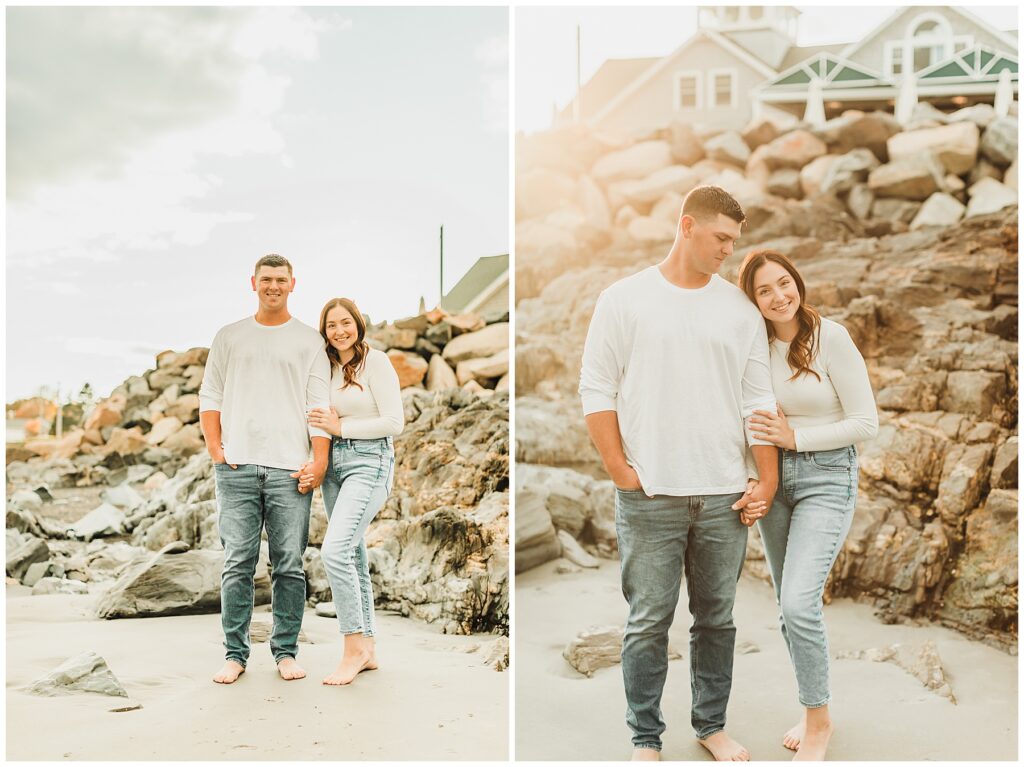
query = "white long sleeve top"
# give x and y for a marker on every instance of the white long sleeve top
(376, 409)
(264, 379)
(836, 411)
(683, 369)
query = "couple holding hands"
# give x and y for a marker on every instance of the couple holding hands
(681, 372)
(274, 391)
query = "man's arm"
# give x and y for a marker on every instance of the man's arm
(318, 388)
(757, 394)
(604, 433)
(600, 376)
(211, 400)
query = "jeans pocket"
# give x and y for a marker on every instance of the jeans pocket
(833, 460)
(366, 447)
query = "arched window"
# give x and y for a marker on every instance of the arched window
(929, 40)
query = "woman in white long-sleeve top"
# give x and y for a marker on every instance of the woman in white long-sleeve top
(825, 405)
(366, 414)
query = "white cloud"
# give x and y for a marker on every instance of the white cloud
(152, 194)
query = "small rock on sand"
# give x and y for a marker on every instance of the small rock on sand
(598, 648)
(86, 672)
(922, 662)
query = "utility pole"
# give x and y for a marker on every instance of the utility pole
(441, 286)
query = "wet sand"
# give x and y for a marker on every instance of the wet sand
(881, 712)
(432, 698)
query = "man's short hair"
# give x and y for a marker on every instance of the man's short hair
(706, 202)
(272, 260)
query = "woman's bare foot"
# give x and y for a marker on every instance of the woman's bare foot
(795, 734)
(724, 748)
(814, 743)
(229, 672)
(646, 755)
(360, 655)
(289, 669)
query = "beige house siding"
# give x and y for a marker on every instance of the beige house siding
(872, 54)
(653, 105)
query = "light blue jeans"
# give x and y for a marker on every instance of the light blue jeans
(357, 483)
(803, 534)
(660, 538)
(250, 498)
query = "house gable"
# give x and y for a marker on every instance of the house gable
(675, 61)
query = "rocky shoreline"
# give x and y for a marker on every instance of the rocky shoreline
(907, 235)
(438, 550)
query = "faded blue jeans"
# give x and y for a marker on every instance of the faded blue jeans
(660, 538)
(248, 498)
(357, 483)
(803, 534)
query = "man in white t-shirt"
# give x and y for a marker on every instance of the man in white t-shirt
(675, 362)
(263, 374)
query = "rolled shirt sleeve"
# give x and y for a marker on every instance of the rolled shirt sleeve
(756, 385)
(211, 392)
(318, 387)
(602, 368)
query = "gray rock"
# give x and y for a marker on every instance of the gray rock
(326, 610)
(598, 648)
(50, 585)
(999, 141)
(496, 654)
(575, 553)
(105, 519)
(25, 500)
(922, 662)
(27, 554)
(86, 672)
(536, 539)
(36, 572)
(175, 581)
(1004, 467)
(123, 496)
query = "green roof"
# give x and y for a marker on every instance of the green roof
(484, 272)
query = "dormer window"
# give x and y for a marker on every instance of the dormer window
(755, 12)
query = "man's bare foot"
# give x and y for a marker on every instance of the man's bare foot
(352, 662)
(795, 734)
(724, 748)
(229, 672)
(814, 743)
(289, 669)
(646, 755)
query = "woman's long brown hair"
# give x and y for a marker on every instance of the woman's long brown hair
(360, 347)
(804, 346)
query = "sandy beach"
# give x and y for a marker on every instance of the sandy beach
(881, 712)
(432, 698)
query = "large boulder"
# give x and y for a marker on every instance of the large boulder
(982, 595)
(541, 191)
(638, 161)
(24, 555)
(954, 146)
(728, 147)
(674, 178)
(685, 145)
(913, 178)
(411, 368)
(175, 581)
(938, 210)
(988, 196)
(483, 343)
(999, 142)
(793, 150)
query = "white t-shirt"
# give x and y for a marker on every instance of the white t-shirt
(375, 410)
(836, 411)
(682, 368)
(263, 379)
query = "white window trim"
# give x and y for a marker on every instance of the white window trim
(712, 92)
(887, 56)
(698, 86)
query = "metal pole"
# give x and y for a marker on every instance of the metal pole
(577, 112)
(441, 287)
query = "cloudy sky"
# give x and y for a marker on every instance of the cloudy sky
(154, 154)
(546, 42)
